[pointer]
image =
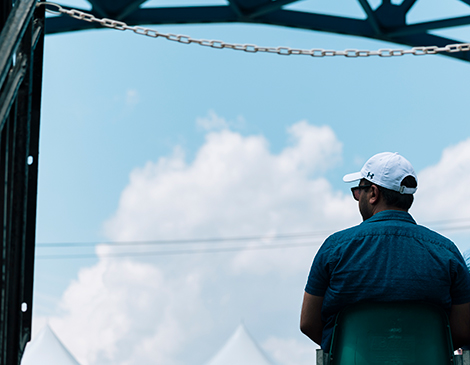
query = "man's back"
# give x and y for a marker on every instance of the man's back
(386, 258)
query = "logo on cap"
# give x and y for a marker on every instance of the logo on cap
(370, 175)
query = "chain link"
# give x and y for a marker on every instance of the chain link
(251, 48)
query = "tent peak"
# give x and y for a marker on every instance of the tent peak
(240, 349)
(47, 349)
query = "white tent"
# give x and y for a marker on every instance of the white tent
(46, 349)
(240, 349)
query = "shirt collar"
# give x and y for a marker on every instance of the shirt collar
(391, 215)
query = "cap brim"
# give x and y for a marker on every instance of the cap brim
(353, 177)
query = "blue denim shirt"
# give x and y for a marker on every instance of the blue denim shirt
(386, 258)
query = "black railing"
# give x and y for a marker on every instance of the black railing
(21, 57)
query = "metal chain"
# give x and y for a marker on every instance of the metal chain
(251, 48)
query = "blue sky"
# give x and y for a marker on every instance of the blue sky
(116, 107)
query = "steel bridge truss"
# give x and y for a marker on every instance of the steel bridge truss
(387, 22)
(21, 57)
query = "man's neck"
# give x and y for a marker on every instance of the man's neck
(382, 207)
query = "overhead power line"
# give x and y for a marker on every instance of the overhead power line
(179, 252)
(443, 225)
(186, 241)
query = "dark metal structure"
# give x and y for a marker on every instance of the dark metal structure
(21, 55)
(386, 22)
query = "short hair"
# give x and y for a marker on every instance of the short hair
(395, 198)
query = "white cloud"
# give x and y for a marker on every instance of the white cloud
(445, 186)
(235, 186)
(176, 309)
(291, 351)
(123, 312)
(132, 97)
(443, 195)
(212, 122)
(314, 150)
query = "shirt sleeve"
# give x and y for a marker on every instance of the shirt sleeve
(460, 290)
(319, 277)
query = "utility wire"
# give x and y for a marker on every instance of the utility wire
(454, 228)
(186, 241)
(178, 252)
(226, 239)
(213, 240)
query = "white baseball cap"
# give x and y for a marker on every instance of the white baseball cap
(386, 169)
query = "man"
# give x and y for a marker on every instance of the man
(388, 257)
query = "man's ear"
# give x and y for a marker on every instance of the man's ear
(374, 195)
